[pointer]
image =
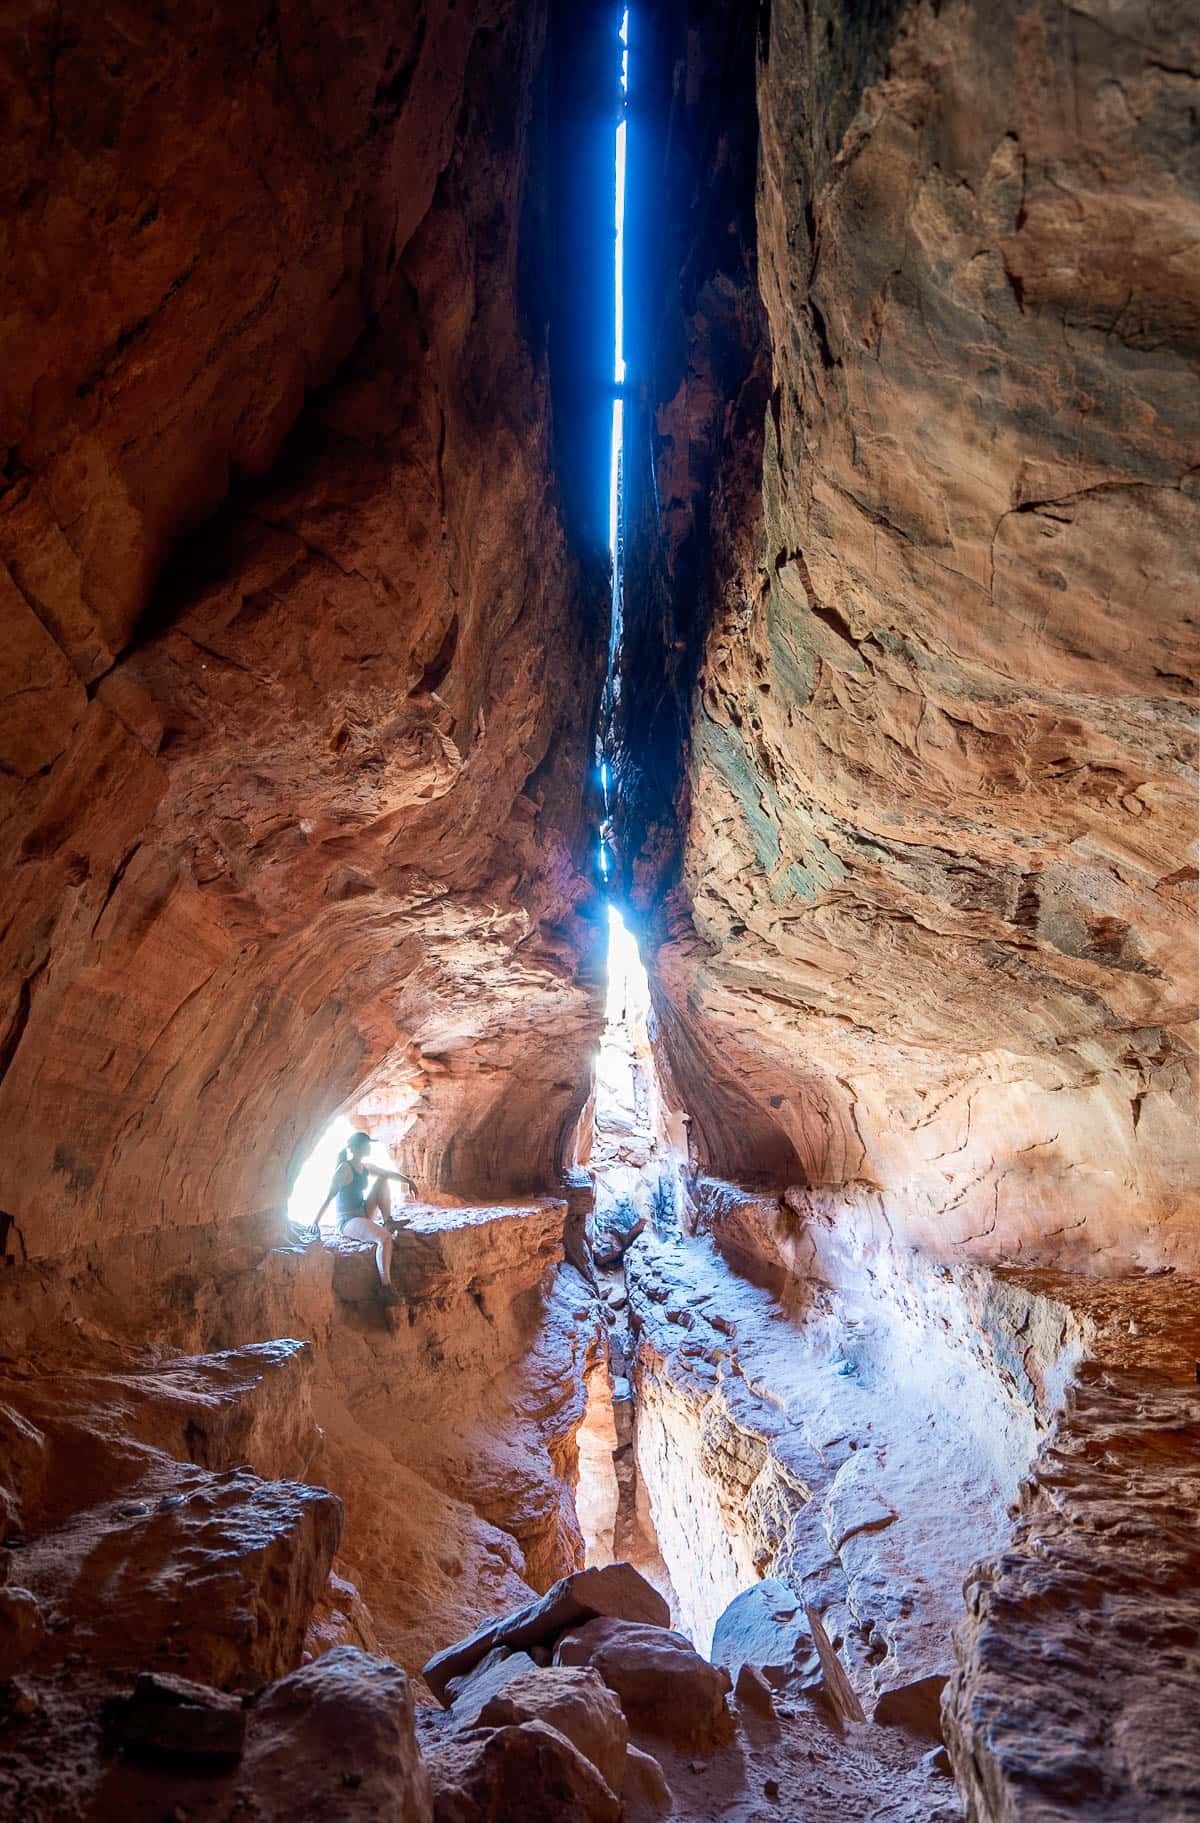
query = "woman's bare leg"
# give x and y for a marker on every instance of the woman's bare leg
(362, 1228)
(379, 1198)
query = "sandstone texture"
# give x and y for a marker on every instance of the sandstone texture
(786, 1407)
(510, 1775)
(290, 807)
(635, 1701)
(334, 1738)
(1101, 1582)
(447, 1427)
(930, 949)
(663, 1683)
(860, 1451)
(851, 1441)
(616, 1590)
(578, 1703)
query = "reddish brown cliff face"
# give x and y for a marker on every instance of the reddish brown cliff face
(932, 952)
(301, 630)
(299, 791)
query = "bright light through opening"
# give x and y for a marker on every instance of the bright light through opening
(618, 418)
(309, 1190)
(628, 991)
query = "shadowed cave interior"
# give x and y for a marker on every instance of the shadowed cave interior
(607, 598)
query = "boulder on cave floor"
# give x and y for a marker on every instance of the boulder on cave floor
(645, 1794)
(476, 1688)
(333, 1740)
(663, 1683)
(336, 1739)
(915, 1706)
(212, 1576)
(616, 1590)
(753, 1693)
(576, 1701)
(526, 1773)
(765, 1627)
(22, 1628)
(177, 1719)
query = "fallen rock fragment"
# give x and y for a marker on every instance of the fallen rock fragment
(765, 1627)
(487, 1680)
(645, 1792)
(576, 1701)
(837, 1686)
(21, 1628)
(753, 1692)
(178, 1719)
(524, 1774)
(663, 1683)
(614, 1244)
(915, 1707)
(616, 1590)
(337, 1739)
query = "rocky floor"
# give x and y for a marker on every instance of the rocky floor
(868, 1473)
(864, 1444)
(870, 1443)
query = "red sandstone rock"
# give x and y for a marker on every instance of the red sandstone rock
(22, 1626)
(337, 1739)
(646, 1793)
(1100, 1583)
(341, 1618)
(915, 1707)
(617, 1589)
(575, 1701)
(931, 952)
(753, 1692)
(219, 1586)
(525, 1774)
(274, 804)
(476, 1688)
(178, 1719)
(664, 1685)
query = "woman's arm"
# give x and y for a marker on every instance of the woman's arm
(400, 1176)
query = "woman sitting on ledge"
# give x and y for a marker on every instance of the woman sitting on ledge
(358, 1206)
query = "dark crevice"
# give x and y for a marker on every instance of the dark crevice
(17, 1024)
(114, 882)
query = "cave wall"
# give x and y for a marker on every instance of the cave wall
(925, 945)
(298, 666)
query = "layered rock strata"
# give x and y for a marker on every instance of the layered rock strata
(447, 1428)
(931, 948)
(861, 1443)
(861, 1431)
(1101, 1582)
(302, 795)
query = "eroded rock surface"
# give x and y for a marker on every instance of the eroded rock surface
(1100, 1582)
(276, 804)
(447, 1426)
(932, 953)
(861, 1448)
(616, 1590)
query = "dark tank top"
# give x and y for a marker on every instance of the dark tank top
(352, 1196)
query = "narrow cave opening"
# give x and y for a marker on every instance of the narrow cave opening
(638, 1140)
(311, 1185)
(635, 1164)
